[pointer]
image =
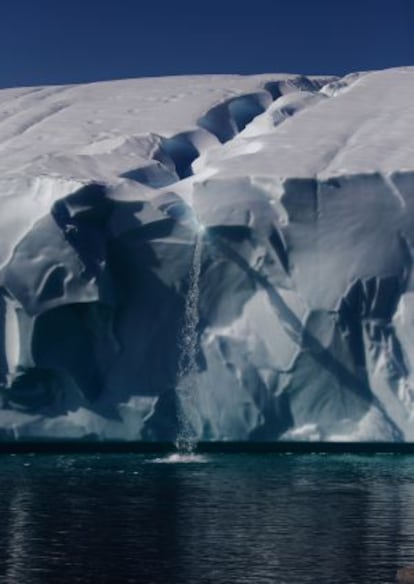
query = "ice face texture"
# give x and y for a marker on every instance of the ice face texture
(304, 188)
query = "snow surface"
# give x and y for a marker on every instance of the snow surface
(305, 189)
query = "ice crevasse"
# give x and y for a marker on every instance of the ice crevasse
(304, 187)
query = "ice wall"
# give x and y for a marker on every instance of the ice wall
(305, 188)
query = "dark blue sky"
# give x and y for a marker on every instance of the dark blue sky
(62, 41)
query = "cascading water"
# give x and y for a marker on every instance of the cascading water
(187, 366)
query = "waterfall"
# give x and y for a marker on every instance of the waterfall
(188, 346)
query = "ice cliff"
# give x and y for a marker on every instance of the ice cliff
(305, 189)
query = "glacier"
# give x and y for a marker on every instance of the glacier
(304, 186)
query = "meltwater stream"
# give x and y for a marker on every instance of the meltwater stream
(187, 366)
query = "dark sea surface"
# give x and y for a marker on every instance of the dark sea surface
(218, 518)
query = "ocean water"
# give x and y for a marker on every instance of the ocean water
(229, 518)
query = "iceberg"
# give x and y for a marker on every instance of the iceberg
(304, 186)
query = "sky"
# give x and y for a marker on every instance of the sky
(67, 41)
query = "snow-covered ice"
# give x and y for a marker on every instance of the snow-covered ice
(304, 187)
